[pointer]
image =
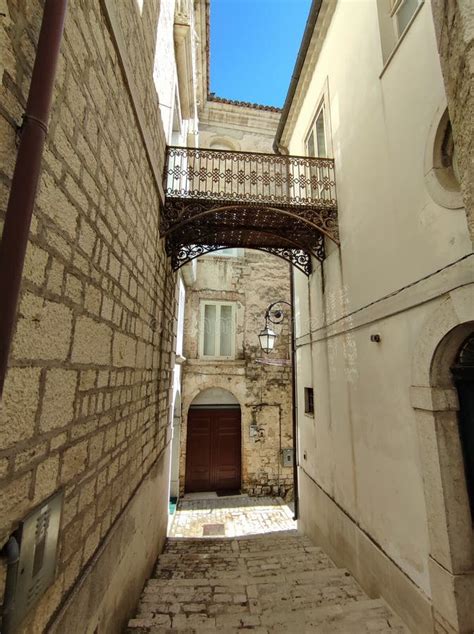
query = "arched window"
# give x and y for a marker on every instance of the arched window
(463, 373)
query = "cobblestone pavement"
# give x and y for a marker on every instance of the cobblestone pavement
(274, 582)
(204, 516)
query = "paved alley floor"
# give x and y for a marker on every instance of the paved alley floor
(238, 563)
(206, 515)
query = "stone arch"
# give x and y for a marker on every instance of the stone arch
(215, 396)
(454, 311)
(211, 384)
(223, 143)
(434, 398)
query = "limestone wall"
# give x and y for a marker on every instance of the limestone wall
(454, 24)
(86, 401)
(253, 281)
(234, 127)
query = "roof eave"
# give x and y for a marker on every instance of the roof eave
(302, 53)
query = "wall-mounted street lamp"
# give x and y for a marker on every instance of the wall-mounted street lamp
(267, 339)
(273, 315)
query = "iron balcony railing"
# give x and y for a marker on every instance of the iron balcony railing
(249, 178)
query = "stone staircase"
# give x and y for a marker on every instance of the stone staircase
(273, 583)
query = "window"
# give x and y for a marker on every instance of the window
(308, 400)
(395, 16)
(218, 330)
(402, 12)
(316, 144)
(441, 164)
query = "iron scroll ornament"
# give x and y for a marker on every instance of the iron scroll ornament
(276, 315)
(186, 253)
(215, 199)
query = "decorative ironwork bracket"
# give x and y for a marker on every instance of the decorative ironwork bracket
(299, 259)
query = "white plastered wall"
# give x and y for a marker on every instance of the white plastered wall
(362, 449)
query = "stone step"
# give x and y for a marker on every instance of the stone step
(289, 576)
(361, 617)
(196, 565)
(234, 549)
(249, 595)
(257, 544)
(278, 583)
(254, 542)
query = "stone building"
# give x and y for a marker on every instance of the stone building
(385, 323)
(231, 375)
(454, 26)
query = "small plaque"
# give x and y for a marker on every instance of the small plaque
(287, 457)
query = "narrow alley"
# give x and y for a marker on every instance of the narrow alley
(261, 575)
(236, 316)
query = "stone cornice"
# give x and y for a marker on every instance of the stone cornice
(216, 112)
(243, 104)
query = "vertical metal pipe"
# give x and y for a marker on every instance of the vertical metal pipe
(26, 173)
(294, 394)
(12, 552)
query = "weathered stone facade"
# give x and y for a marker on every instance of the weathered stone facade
(454, 24)
(252, 281)
(86, 402)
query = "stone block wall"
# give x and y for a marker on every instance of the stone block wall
(86, 402)
(253, 281)
(454, 24)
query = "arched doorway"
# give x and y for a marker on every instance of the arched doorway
(440, 396)
(463, 374)
(213, 443)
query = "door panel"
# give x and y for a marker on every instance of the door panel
(213, 454)
(198, 453)
(466, 431)
(226, 449)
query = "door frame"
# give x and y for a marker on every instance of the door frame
(434, 398)
(217, 408)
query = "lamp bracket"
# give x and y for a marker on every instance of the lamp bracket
(276, 315)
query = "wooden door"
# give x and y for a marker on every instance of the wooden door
(463, 373)
(213, 456)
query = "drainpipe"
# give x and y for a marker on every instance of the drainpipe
(22, 196)
(294, 395)
(12, 552)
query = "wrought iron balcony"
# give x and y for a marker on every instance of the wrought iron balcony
(217, 199)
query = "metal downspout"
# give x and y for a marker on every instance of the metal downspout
(26, 174)
(294, 394)
(11, 550)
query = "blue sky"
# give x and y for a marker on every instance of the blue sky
(254, 44)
